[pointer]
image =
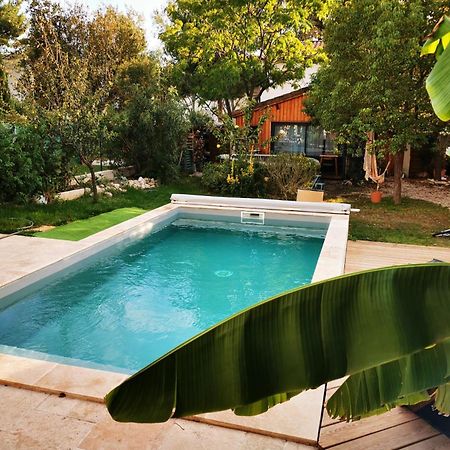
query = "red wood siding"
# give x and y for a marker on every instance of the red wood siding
(288, 110)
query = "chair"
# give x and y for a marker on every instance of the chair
(318, 184)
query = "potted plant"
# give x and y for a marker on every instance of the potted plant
(371, 169)
(375, 196)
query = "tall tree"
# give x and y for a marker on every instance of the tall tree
(66, 47)
(374, 78)
(71, 66)
(228, 49)
(12, 25)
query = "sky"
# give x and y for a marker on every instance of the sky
(144, 7)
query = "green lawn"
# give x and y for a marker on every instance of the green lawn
(412, 222)
(60, 213)
(79, 229)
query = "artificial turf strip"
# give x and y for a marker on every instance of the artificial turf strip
(79, 229)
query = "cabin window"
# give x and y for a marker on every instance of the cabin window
(300, 138)
(289, 138)
(315, 141)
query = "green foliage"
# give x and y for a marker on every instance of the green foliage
(32, 161)
(12, 21)
(236, 178)
(231, 49)
(374, 78)
(295, 341)
(289, 172)
(12, 25)
(106, 92)
(279, 177)
(84, 132)
(71, 55)
(200, 121)
(442, 399)
(77, 67)
(142, 73)
(438, 85)
(149, 119)
(240, 140)
(214, 177)
(151, 132)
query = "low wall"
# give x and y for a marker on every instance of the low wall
(70, 195)
(107, 175)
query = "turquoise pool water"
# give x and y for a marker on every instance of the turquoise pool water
(124, 309)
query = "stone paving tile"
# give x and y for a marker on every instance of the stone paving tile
(76, 409)
(177, 435)
(23, 370)
(80, 380)
(24, 425)
(184, 435)
(14, 403)
(13, 441)
(26, 254)
(108, 434)
(50, 430)
(299, 417)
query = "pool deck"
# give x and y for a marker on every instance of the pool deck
(39, 418)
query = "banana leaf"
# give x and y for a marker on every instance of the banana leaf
(291, 342)
(442, 399)
(439, 38)
(401, 382)
(438, 82)
(438, 86)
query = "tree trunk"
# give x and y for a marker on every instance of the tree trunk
(443, 141)
(438, 164)
(93, 183)
(398, 172)
(228, 107)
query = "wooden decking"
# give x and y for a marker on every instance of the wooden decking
(400, 428)
(397, 429)
(362, 255)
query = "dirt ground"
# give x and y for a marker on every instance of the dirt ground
(417, 189)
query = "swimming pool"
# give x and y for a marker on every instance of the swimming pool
(122, 297)
(126, 307)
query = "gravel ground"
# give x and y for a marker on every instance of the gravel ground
(413, 188)
(422, 190)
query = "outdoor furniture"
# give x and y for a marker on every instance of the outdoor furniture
(330, 158)
(318, 184)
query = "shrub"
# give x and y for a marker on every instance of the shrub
(238, 178)
(288, 172)
(150, 135)
(31, 160)
(214, 176)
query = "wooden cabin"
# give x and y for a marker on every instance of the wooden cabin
(288, 128)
